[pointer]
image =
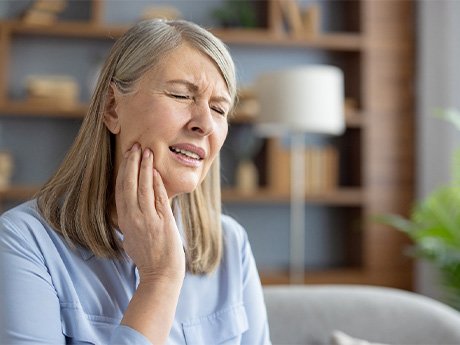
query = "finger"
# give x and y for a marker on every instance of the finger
(130, 178)
(162, 205)
(146, 196)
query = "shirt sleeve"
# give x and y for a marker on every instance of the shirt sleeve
(126, 335)
(258, 332)
(30, 311)
(25, 289)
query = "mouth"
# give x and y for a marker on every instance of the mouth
(188, 151)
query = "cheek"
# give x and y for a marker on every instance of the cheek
(217, 144)
(217, 141)
(130, 135)
(221, 137)
(140, 128)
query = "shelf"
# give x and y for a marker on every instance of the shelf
(352, 197)
(18, 193)
(243, 118)
(258, 37)
(341, 197)
(396, 278)
(327, 276)
(66, 29)
(353, 119)
(24, 108)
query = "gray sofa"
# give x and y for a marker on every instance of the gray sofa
(310, 314)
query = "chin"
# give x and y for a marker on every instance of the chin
(181, 187)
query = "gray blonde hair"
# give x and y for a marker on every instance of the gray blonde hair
(77, 201)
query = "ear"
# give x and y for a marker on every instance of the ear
(111, 119)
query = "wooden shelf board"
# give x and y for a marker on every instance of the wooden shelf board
(346, 197)
(24, 108)
(243, 118)
(326, 276)
(67, 29)
(339, 197)
(260, 37)
(353, 119)
(18, 192)
(395, 277)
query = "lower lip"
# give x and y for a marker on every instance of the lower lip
(187, 161)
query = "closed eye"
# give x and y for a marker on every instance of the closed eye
(179, 96)
(218, 110)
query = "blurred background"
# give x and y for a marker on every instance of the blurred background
(399, 62)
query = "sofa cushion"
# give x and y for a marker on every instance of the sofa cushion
(340, 338)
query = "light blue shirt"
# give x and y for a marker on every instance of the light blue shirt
(53, 294)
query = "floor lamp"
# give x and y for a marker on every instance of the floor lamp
(296, 101)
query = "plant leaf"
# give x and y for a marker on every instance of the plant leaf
(396, 221)
(451, 115)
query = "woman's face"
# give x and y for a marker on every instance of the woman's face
(178, 109)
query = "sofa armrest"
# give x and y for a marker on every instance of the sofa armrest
(309, 314)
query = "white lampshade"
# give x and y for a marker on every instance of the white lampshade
(304, 99)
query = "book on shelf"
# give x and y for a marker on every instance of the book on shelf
(59, 90)
(162, 12)
(299, 22)
(321, 168)
(43, 12)
(311, 19)
(291, 13)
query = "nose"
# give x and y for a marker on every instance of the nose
(201, 121)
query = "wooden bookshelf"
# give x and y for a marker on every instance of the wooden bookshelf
(258, 37)
(375, 50)
(340, 197)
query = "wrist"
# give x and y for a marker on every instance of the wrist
(155, 280)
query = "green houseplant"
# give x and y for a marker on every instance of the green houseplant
(236, 13)
(434, 226)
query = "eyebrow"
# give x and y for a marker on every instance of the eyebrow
(194, 88)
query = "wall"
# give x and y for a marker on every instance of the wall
(438, 86)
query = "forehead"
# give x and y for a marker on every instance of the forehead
(186, 62)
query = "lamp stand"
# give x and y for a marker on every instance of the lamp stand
(297, 209)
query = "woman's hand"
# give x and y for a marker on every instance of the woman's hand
(151, 237)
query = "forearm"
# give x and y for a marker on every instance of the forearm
(152, 308)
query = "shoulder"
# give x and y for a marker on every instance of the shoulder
(231, 227)
(25, 214)
(23, 223)
(234, 233)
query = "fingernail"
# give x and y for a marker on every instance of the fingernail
(146, 153)
(135, 147)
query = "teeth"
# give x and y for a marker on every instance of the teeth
(186, 153)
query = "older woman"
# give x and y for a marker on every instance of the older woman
(126, 244)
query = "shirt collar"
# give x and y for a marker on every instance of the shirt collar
(85, 253)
